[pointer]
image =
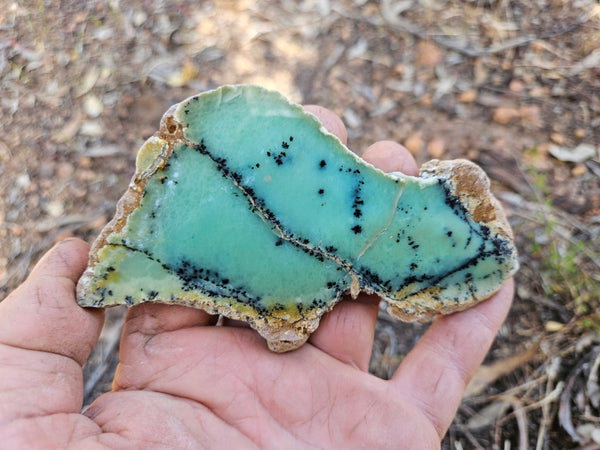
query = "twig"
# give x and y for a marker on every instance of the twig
(564, 411)
(398, 22)
(72, 219)
(563, 221)
(103, 351)
(464, 430)
(549, 398)
(522, 425)
(19, 267)
(546, 416)
(392, 18)
(524, 386)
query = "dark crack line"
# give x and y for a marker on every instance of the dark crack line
(257, 205)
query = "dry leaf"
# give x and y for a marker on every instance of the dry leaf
(579, 154)
(589, 62)
(486, 375)
(553, 326)
(184, 75)
(69, 130)
(592, 387)
(87, 82)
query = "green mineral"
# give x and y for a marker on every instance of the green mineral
(243, 205)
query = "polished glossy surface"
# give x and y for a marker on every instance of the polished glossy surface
(243, 205)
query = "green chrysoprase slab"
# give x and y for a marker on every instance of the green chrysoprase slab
(243, 205)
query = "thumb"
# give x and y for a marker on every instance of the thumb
(45, 337)
(42, 313)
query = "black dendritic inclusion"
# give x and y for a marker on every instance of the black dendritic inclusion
(372, 280)
(213, 284)
(280, 158)
(258, 204)
(193, 277)
(500, 250)
(209, 281)
(357, 202)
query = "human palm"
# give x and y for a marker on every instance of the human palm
(183, 382)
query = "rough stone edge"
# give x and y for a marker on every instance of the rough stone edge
(282, 337)
(152, 156)
(470, 184)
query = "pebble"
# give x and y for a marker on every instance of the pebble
(516, 86)
(65, 170)
(557, 138)
(183, 75)
(23, 180)
(436, 148)
(539, 92)
(46, 169)
(86, 175)
(98, 222)
(579, 170)
(54, 208)
(428, 54)
(531, 114)
(414, 143)
(351, 118)
(468, 96)
(138, 19)
(84, 162)
(16, 230)
(92, 106)
(92, 128)
(504, 114)
(579, 154)
(553, 326)
(426, 100)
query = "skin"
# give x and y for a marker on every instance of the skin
(183, 382)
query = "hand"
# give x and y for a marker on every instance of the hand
(183, 382)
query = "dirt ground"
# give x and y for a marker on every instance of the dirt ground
(512, 85)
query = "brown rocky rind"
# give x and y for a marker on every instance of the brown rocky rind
(468, 183)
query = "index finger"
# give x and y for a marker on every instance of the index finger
(436, 372)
